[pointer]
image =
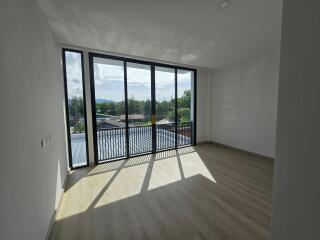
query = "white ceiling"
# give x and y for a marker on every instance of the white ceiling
(192, 32)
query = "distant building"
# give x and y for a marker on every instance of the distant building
(110, 124)
(103, 116)
(132, 117)
(164, 121)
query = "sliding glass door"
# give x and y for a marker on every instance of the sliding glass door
(165, 95)
(185, 107)
(139, 107)
(109, 119)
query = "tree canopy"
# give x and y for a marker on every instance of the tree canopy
(165, 109)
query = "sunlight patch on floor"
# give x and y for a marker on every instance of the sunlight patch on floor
(164, 171)
(126, 184)
(114, 181)
(193, 165)
(80, 196)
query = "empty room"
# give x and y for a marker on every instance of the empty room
(160, 120)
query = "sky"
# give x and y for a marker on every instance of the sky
(109, 80)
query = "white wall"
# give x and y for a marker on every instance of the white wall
(203, 83)
(244, 105)
(296, 195)
(31, 98)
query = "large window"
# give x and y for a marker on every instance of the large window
(138, 107)
(75, 108)
(185, 107)
(165, 107)
(109, 100)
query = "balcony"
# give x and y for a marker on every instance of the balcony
(111, 142)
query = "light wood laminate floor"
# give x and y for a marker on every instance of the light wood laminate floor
(204, 192)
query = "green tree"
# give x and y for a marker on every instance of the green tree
(78, 128)
(135, 107)
(76, 110)
(185, 100)
(171, 116)
(147, 109)
(184, 115)
(76, 107)
(107, 108)
(119, 108)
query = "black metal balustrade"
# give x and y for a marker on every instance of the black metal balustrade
(165, 136)
(111, 142)
(184, 133)
(140, 139)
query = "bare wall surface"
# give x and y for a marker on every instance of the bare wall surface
(296, 196)
(244, 105)
(31, 98)
(203, 83)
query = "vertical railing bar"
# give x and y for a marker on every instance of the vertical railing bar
(135, 141)
(106, 150)
(106, 142)
(113, 144)
(99, 145)
(103, 149)
(117, 143)
(120, 140)
(176, 107)
(109, 141)
(102, 144)
(118, 137)
(140, 139)
(123, 144)
(146, 138)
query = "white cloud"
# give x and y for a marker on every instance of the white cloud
(109, 80)
(74, 74)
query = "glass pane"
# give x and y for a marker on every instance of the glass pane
(185, 108)
(110, 108)
(139, 108)
(77, 126)
(165, 107)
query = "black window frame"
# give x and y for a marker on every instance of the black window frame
(64, 50)
(92, 55)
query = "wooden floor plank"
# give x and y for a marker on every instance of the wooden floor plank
(203, 192)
